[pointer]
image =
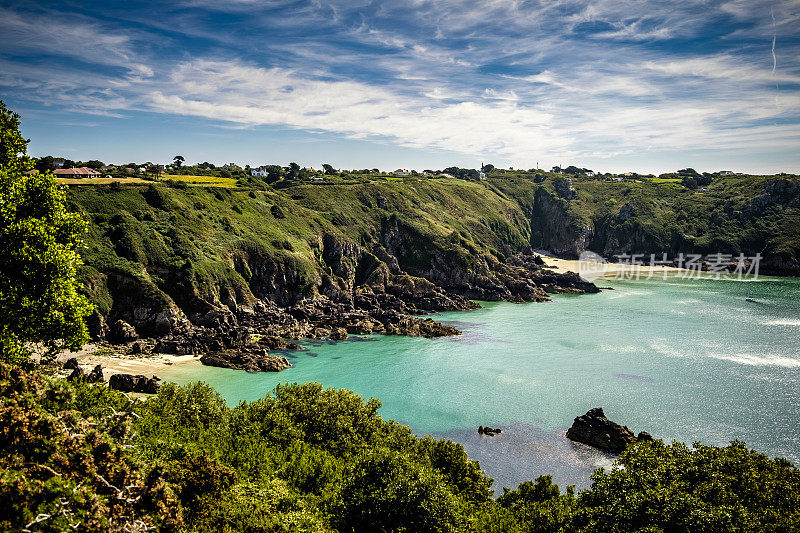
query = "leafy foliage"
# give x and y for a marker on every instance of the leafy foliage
(307, 458)
(39, 237)
(675, 488)
(13, 145)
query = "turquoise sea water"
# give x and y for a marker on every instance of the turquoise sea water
(689, 360)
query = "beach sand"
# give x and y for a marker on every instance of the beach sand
(118, 363)
(612, 270)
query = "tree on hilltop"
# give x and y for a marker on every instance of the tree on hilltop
(13, 146)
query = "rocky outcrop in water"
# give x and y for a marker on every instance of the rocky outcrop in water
(596, 430)
(251, 361)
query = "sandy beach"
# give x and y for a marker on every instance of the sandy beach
(612, 270)
(118, 363)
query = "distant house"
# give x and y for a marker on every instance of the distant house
(482, 175)
(428, 172)
(317, 178)
(231, 166)
(80, 172)
(629, 174)
(402, 172)
(108, 167)
(261, 172)
(726, 173)
(617, 179)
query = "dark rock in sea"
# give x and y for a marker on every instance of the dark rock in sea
(77, 374)
(71, 363)
(488, 431)
(250, 361)
(596, 430)
(96, 375)
(122, 332)
(131, 383)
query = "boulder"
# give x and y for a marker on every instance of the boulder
(96, 324)
(77, 373)
(96, 375)
(71, 363)
(122, 332)
(489, 431)
(246, 360)
(596, 430)
(131, 383)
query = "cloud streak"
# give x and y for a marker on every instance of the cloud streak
(514, 81)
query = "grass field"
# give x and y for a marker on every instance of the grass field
(192, 181)
(214, 181)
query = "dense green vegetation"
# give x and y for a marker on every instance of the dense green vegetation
(39, 300)
(731, 214)
(311, 459)
(218, 243)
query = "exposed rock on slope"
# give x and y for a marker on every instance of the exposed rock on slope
(200, 265)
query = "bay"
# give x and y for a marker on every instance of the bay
(686, 360)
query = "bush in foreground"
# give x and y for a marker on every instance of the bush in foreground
(79, 456)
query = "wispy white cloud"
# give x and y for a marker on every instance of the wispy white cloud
(519, 81)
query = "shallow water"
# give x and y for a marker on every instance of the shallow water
(688, 360)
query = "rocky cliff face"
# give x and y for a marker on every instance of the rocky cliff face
(555, 229)
(680, 221)
(329, 284)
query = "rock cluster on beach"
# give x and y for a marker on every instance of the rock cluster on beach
(134, 383)
(596, 430)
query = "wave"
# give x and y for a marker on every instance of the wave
(758, 360)
(782, 322)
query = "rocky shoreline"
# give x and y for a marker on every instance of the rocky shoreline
(243, 337)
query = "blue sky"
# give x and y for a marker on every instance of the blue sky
(609, 85)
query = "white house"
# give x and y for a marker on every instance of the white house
(726, 173)
(261, 172)
(482, 175)
(402, 172)
(617, 179)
